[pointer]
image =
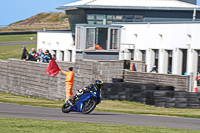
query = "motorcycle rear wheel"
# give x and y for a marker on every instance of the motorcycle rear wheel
(66, 108)
(88, 106)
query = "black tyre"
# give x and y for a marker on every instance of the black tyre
(115, 80)
(88, 106)
(191, 94)
(181, 100)
(169, 105)
(180, 94)
(66, 108)
(170, 100)
(193, 100)
(159, 93)
(170, 88)
(160, 104)
(180, 105)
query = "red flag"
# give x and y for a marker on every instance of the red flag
(52, 68)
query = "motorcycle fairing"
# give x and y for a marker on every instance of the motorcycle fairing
(79, 102)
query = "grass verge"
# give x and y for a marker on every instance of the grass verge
(13, 51)
(105, 106)
(12, 125)
(18, 38)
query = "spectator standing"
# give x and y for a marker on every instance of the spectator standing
(23, 54)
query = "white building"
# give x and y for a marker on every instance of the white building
(173, 46)
(57, 42)
(160, 32)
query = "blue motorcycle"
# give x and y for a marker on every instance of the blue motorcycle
(85, 100)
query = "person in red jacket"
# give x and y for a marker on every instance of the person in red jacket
(69, 83)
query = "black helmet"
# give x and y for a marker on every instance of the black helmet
(98, 84)
(90, 86)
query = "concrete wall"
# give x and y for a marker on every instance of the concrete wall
(3, 75)
(180, 83)
(97, 55)
(29, 78)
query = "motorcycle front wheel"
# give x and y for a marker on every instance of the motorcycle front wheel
(66, 108)
(88, 106)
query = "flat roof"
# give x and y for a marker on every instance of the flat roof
(165, 22)
(131, 4)
(56, 31)
(98, 26)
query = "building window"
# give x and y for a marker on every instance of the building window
(97, 39)
(91, 22)
(103, 19)
(139, 18)
(99, 22)
(90, 17)
(114, 38)
(109, 22)
(96, 19)
(99, 17)
(90, 38)
(110, 16)
(118, 17)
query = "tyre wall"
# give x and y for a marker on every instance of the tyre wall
(151, 94)
(180, 82)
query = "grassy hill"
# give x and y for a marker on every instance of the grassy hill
(41, 21)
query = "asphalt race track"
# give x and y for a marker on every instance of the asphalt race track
(30, 112)
(17, 43)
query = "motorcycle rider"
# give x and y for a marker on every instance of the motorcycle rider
(86, 89)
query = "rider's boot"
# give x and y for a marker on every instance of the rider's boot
(71, 101)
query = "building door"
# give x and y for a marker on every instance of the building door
(184, 61)
(102, 37)
(170, 55)
(132, 53)
(156, 58)
(70, 55)
(198, 61)
(62, 55)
